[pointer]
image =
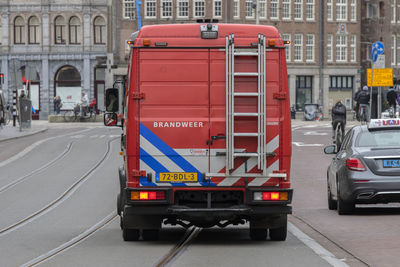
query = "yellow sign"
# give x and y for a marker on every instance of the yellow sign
(382, 77)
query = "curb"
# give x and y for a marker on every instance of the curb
(25, 135)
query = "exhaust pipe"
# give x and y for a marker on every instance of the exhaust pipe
(365, 195)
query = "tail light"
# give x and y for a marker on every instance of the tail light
(355, 164)
(147, 195)
(271, 196)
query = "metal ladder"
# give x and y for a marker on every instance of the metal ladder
(231, 94)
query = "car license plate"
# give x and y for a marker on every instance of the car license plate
(178, 177)
(391, 163)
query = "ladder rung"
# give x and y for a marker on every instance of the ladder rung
(246, 53)
(245, 154)
(246, 73)
(246, 114)
(245, 94)
(245, 134)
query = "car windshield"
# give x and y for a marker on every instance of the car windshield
(378, 139)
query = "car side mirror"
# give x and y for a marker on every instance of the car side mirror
(112, 100)
(330, 149)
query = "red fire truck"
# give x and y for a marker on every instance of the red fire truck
(206, 130)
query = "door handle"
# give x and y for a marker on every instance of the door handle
(215, 137)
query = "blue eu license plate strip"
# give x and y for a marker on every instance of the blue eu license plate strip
(391, 163)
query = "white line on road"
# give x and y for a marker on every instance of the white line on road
(317, 248)
(302, 144)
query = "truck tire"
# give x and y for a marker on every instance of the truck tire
(150, 234)
(278, 234)
(119, 208)
(258, 234)
(130, 234)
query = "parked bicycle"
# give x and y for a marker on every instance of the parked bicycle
(76, 115)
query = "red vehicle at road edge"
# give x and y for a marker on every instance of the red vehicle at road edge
(206, 130)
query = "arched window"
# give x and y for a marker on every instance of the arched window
(67, 84)
(75, 35)
(33, 30)
(99, 30)
(60, 28)
(19, 30)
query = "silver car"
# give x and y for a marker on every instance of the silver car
(366, 169)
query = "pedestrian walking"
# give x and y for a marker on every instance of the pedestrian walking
(58, 104)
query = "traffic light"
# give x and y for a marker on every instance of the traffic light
(1, 78)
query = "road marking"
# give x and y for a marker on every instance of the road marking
(314, 133)
(77, 136)
(302, 144)
(317, 248)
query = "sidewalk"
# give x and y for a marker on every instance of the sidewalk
(9, 132)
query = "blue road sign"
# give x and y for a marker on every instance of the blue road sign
(379, 47)
(374, 55)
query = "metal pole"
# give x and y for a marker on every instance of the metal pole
(370, 96)
(379, 102)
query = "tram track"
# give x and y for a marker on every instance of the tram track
(71, 243)
(64, 196)
(38, 170)
(174, 253)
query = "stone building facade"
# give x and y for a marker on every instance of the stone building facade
(55, 45)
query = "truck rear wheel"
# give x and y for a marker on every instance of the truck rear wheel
(258, 233)
(278, 234)
(150, 234)
(130, 234)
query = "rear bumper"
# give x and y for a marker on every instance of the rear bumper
(248, 208)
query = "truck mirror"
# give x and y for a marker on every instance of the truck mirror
(112, 100)
(110, 119)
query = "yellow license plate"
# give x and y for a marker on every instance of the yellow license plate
(178, 177)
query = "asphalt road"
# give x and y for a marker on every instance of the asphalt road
(57, 208)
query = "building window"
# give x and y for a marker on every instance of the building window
(99, 26)
(393, 7)
(1, 33)
(286, 9)
(236, 9)
(310, 10)
(60, 30)
(341, 10)
(341, 82)
(298, 47)
(274, 9)
(19, 30)
(353, 10)
(353, 49)
(341, 48)
(371, 11)
(249, 9)
(304, 85)
(329, 52)
(310, 47)
(262, 9)
(199, 8)
(329, 11)
(166, 11)
(151, 9)
(393, 50)
(75, 34)
(217, 8)
(398, 10)
(298, 9)
(129, 9)
(33, 30)
(183, 8)
(286, 37)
